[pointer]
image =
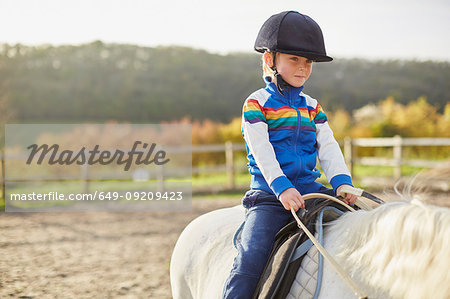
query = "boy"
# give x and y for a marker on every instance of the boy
(285, 131)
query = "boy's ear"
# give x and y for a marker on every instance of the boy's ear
(268, 59)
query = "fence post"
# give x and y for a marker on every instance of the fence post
(85, 177)
(348, 154)
(2, 153)
(229, 161)
(397, 156)
(160, 178)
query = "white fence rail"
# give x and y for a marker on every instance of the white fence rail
(398, 144)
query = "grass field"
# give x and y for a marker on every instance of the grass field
(360, 171)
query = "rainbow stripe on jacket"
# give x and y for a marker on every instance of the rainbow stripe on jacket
(284, 117)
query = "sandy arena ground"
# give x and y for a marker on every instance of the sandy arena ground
(91, 255)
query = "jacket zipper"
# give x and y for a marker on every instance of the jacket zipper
(297, 134)
(299, 120)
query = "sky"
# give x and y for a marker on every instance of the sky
(383, 29)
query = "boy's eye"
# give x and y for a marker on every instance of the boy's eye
(294, 58)
(309, 61)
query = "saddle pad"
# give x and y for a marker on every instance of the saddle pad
(305, 282)
(282, 270)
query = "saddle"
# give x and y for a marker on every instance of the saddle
(290, 247)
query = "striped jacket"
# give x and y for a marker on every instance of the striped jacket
(284, 135)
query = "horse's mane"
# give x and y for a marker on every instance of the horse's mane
(398, 250)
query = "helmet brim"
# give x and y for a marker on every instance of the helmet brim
(310, 55)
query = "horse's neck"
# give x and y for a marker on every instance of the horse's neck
(398, 250)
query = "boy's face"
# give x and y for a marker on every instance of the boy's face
(295, 70)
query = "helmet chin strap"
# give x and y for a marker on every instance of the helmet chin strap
(281, 84)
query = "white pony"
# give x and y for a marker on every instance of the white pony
(398, 250)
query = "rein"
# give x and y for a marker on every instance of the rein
(344, 275)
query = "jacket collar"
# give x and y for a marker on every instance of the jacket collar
(289, 94)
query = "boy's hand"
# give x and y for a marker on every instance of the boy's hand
(348, 198)
(292, 198)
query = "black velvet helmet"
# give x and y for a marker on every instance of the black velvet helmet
(293, 33)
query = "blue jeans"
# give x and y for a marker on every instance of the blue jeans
(264, 218)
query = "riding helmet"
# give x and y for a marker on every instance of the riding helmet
(293, 33)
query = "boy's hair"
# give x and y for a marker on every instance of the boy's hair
(267, 70)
